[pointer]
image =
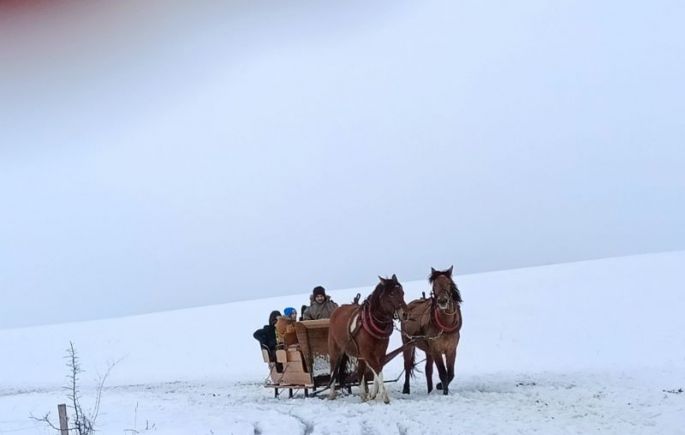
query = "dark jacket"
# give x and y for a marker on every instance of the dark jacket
(267, 335)
(318, 311)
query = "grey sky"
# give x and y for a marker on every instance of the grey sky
(155, 157)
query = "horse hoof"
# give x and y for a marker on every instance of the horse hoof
(445, 392)
(386, 400)
(405, 390)
(439, 386)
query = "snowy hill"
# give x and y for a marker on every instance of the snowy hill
(574, 347)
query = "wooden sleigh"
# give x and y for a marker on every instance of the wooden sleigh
(306, 365)
(303, 366)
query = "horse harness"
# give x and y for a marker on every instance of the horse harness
(435, 319)
(363, 318)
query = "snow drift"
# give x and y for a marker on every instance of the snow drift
(613, 323)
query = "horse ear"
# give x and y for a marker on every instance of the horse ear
(433, 271)
(394, 277)
(449, 271)
(381, 278)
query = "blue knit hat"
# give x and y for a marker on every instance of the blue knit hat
(289, 311)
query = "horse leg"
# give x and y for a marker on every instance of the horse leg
(361, 376)
(429, 372)
(440, 363)
(374, 387)
(381, 383)
(335, 360)
(378, 384)
(384, 393)
(451, 358)
(409, 354)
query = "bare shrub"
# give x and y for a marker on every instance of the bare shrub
(83, 423)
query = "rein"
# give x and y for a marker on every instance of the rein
(413, 338)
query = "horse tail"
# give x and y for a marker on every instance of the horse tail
(410, 360)
(339, 371)
(341, 374)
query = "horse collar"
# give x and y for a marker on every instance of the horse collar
(371, 327)
(444, 328)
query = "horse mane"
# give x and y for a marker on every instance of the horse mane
(456, 294)
(375, 294)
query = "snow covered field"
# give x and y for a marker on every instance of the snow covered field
(596, 346)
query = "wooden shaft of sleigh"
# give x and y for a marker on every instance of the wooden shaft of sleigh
(390, 356)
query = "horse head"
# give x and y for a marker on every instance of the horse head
(391, 297)
(445, 291)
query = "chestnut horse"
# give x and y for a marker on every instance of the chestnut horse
(435, 322)
(363, 331)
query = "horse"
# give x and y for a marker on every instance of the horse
(363, 331)
(433, 324)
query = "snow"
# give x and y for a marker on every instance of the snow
(594, 346)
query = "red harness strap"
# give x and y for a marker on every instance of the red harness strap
(371, 327)
(436, 317)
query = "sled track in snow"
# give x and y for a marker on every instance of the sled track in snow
(499, 403)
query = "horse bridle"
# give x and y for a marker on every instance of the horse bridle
(451, 304)
(437, 310)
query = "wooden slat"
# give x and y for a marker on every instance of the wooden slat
(312, 336)
(265, 356)
(313, 324)
(294, 355)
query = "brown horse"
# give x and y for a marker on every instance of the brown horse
(363, 331)
(437, 322)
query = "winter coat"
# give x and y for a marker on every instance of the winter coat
(285, 331)
(317, 311)
(267, 335)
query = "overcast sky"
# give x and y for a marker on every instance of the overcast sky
(161, 155)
